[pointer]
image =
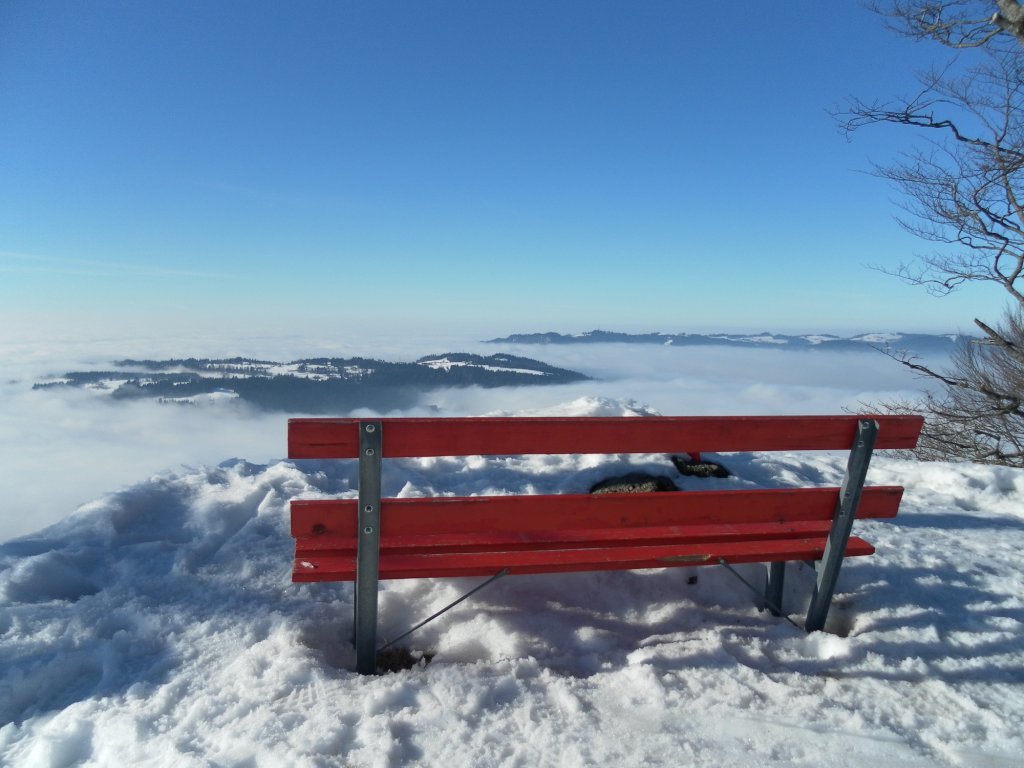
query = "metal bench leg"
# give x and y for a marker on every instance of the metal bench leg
(846, 509)
(773, 589)
(368, 557)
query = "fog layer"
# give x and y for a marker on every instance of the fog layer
(62, 448)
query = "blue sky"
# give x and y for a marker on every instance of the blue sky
(346, 166)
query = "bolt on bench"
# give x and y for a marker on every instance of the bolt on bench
(372, 538)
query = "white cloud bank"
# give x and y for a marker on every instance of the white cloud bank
(62, 448)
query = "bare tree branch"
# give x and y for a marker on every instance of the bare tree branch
(955, 23)
(962, 186)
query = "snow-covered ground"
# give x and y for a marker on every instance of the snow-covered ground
(157, 626)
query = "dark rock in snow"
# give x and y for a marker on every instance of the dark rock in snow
(699, 468)
(634, 482)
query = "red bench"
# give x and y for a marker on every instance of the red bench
(370, 538)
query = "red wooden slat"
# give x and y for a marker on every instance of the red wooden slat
(486, 541)
(328, 568)
(408, 437)
(454, 515)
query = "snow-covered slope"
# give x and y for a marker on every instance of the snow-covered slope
(158, 626)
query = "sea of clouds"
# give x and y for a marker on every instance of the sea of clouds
(60, 448)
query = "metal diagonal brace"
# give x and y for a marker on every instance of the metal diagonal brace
(774, 607)
(443, 611)
(368, 547)
(846, 509)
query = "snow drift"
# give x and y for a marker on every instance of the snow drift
(157, 625)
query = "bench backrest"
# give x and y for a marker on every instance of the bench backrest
(424, 437)
(490, 436)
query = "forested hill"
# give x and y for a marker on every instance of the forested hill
(868, 342)
(315, 385)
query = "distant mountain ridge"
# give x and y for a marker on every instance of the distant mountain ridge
(314, 385)
(914, 342)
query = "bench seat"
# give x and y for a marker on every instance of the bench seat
(575, 532)
(339, 566)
